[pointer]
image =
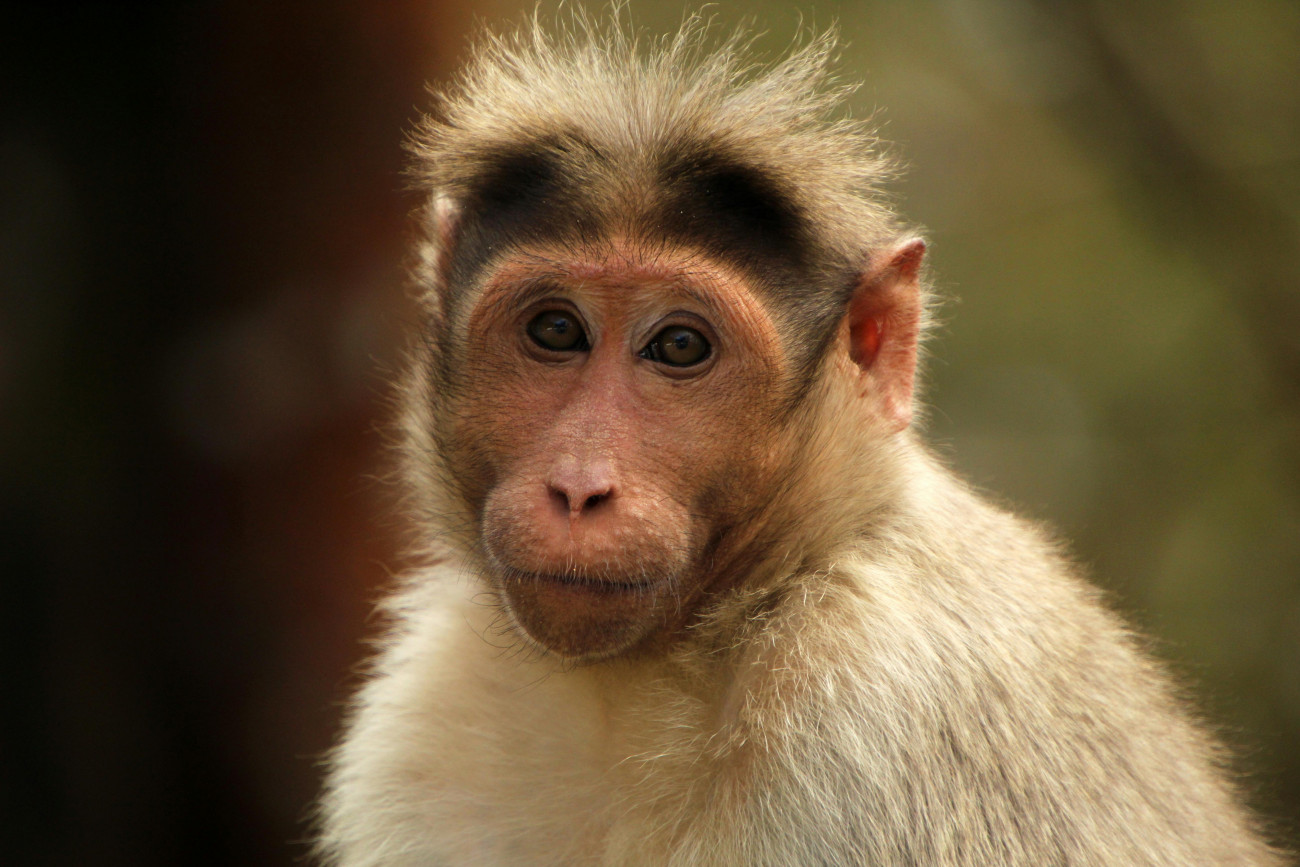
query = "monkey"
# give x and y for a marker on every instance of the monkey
(690, 588)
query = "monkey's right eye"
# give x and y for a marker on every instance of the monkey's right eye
(558, 331)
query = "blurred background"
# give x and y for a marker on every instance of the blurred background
(203, 236)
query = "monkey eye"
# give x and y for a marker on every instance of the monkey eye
(558, 331)
(677, 346)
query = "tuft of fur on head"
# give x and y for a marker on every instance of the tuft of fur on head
(635, 99)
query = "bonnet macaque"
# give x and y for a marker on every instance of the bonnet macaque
(692, 590)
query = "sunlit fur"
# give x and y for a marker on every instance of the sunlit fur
(910, 677)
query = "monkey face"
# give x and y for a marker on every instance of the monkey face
(604, 438)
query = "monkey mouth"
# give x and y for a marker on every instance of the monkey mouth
(577, 581)
(582, 616)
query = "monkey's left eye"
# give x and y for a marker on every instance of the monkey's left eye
(558, 331)
(677, 346)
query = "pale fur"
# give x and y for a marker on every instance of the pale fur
(913, 678)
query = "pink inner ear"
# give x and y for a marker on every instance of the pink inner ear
(865, 336)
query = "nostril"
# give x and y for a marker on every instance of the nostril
(580, 487)
(576, 504)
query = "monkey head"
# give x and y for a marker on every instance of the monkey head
(632, 345)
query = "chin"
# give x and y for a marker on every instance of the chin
(580, 616)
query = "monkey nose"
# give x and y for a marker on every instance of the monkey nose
(576, 504)
(580, 487)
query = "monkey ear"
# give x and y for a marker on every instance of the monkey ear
(884, 329)
(444, 215)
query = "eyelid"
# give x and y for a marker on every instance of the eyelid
(533, 290)
(683, 319)
(530, 309)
